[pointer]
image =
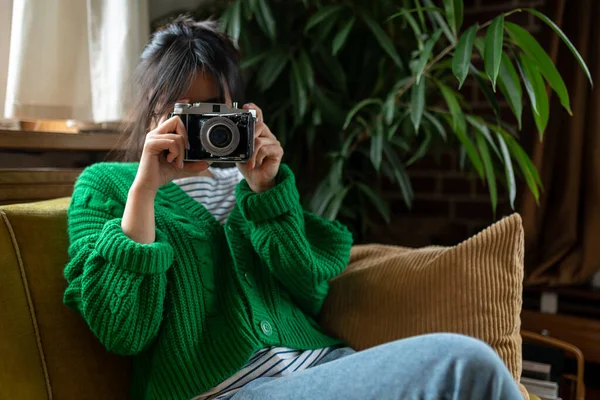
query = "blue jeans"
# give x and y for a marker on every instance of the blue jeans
(435, 367)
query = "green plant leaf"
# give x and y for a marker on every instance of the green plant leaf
(253, 4)
(412, 11)
(417, 103)
(437, 19)
(357, 108)
(322, 15)
(380, 204)
(493, 48)
(393, 129)
(565, 39)
(389, 107)
(516, 149)
(330, 110)
(424, 57)
(420, 14)
(462, 54)
(416, 30)
(508, 171)
(454, 14)
(316, 117)
(533, 49)
(534, 85)
(341, 36)
(306, 70)
(321, 198)
(384, 41)
(421, 150)
(251, 61)
(297, 90)
(400, 143)
(265, 19)
(459, 126)
(336, 172)
(486, 90)
(527, 168)
(336, 203)
(234, 22)
(480, 126)
(333, 70)
(437, 124)
(377, 145)
(400, 174)
(458, 117)
(350, 139)
(488, 166)
(271, 69)
(323, 32)
(510, 86)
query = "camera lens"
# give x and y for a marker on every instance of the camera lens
(220, 136)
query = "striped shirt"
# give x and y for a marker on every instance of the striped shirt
(217, 195)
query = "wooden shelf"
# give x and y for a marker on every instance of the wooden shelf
(24, 140)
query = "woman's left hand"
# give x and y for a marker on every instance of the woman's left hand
(262, 168)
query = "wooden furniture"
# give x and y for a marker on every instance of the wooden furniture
(44, 165)
(574, 319)
(568, 348)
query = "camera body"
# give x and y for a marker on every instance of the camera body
(217, 132)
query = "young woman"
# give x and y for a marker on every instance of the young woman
(212, 278)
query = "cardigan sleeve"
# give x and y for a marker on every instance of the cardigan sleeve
(302, 250)
(116, 284)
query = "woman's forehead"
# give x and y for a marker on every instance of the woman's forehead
(204, 87)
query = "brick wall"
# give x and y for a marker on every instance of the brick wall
(451, 205)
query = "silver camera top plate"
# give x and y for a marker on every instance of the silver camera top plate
(210, 109)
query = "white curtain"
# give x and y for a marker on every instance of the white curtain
(74, 59)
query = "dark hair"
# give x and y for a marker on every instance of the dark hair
(167, 68)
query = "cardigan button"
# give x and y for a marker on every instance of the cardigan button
(266, 328)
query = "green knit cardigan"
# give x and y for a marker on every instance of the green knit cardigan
(195, 305)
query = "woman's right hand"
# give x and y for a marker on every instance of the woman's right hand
(162, 156)
(161, 162)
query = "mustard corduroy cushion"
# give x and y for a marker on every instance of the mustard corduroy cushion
(389, 293)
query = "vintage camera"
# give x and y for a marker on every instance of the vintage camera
(217, 132)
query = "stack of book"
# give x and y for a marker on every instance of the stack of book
(536, 379)
(542, 369)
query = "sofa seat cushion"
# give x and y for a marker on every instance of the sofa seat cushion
(47, 350)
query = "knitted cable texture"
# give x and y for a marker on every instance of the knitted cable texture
(195, 305)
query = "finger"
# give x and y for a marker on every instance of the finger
(258, 143)
(162, 119)
(158, 145)
(265, 141)
(180, 143)
(259, 113)
(172, 125)
(259, 129)
(262, 130)
(251, 162)
(273, 151)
